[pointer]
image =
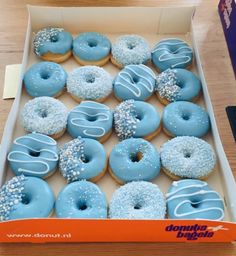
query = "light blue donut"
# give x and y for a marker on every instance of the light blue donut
(45, 79)
(25, 197)
(133, 160)
(138, 200)
(44, 115)
(135, 82)
(172, 53)
(182, 118)
(81, 200)
(89, 83)
(131, 49)
(188, 157)
(135, 119)
(82, 159)
(53, 40)
(90, 120)
(194, 199)
(91, 46)
(178, 85)
(34, 154)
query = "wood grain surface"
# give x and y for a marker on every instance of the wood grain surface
(222, 88)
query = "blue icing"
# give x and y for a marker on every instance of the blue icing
(188, 157)
(82, 159)
(134, 159)
(45, 79)
(90, 120)
(182, 118)
(178, 85)
(54, 40)
(194, 199)
(131, 49)
(172, 53)
(91, 46)
(138, 200)
(34, 154)
(82, 200)
(135, 119)
(25, 197)
(134, 82)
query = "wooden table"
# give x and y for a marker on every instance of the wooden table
(222, 88)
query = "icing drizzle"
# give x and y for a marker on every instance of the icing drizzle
(125, 119)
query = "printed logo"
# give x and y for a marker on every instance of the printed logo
(193, 232)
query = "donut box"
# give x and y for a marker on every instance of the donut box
(153, 24)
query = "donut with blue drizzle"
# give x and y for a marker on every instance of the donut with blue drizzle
(90, 120)
(195, 200)
(81, 200)
(172, 53)
(182, 118)
(45, 115)
(25, 197)
(134, 160)
(187, 157)
(53, 44)
(91, 48)
(136, 119)
(130, 49)
(140, 200)
(89, 83)
(177, 85)
(135, 82)
(45, 79)
(34, 154)
(82, 159)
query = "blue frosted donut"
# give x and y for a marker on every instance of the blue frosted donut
(133, 160)
(136, 119)
(130, 49)
(81, 200)
(34, 154)
(138, 200)
(82, 159)
(45, 79)
(89, 83)
(135, 82)
(91, 48)
(90, 120)
(25, 197)
(45, 115)
(187, 157)
(182, 118)
(194, 199)
(53, 44)
(177, 85)
(172, 53)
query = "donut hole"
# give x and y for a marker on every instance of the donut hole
(137, 206)
(135, 79)
(86, 159)
(44, 74)
(130, 45)
(34, 153)
(195, 204)
(92, 118)
(139, 116)
(81, 206)
(54, 39)
(185, 116)
(92, 43)
(43, 113)
(187, 154)
(136, 157)
(25, 199)
(90, 78)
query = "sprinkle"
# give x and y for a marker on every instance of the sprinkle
(167, 85)
(72, 159)
(10, 195)
(45, 35)
(125, 119)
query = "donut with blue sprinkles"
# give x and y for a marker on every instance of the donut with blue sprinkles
(45, 115)
(130, 49)
(89, 83)
(139, 200)
(187, 157)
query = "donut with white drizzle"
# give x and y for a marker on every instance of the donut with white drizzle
(194, 199)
